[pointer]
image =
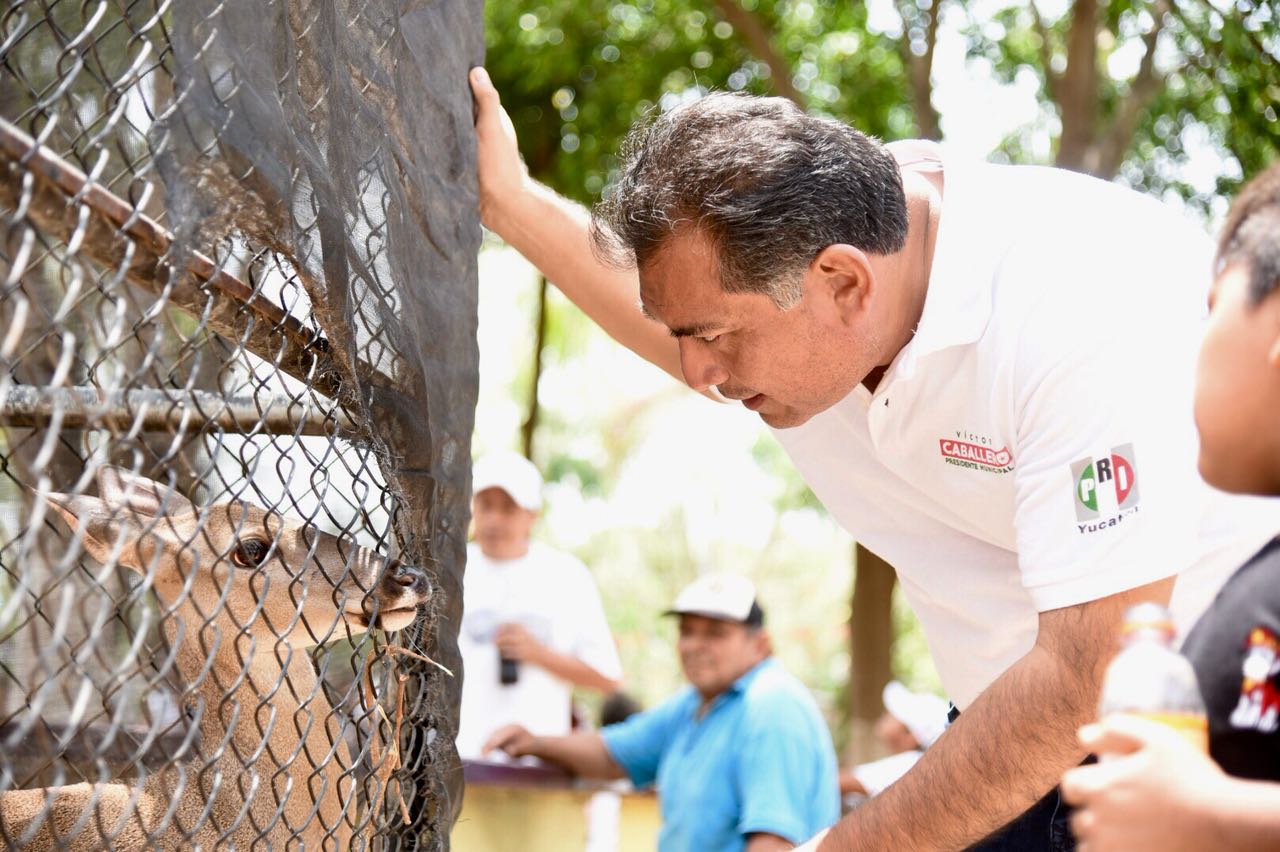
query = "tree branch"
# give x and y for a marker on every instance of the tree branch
(1146, 84)
(761, 46)
(1046, 53)
(920, 69)
(1078, 89)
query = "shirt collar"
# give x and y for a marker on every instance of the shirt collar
(957, 304)
(741, 684)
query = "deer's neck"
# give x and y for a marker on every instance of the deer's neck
(264, 716)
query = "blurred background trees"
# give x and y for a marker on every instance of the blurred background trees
(1175, 97)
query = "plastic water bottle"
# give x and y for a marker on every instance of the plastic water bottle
(1149, 678)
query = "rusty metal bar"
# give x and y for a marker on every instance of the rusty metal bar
(167, 411)
(240, 314)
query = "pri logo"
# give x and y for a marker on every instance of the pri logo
(1097, 480)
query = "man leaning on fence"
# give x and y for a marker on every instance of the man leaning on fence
(978, 369)
(741, 757)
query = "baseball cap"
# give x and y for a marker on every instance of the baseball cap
(514, 474)
(924, 715)
(728, 597)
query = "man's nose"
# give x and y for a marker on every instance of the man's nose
(699, 365)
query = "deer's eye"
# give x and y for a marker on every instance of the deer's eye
(250, 552)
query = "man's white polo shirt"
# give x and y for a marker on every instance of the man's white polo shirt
(1033, 446)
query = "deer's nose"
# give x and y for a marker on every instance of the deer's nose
(404, 579)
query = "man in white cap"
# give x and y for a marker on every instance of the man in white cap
(742, 758)
(911, 722)
(533, 627)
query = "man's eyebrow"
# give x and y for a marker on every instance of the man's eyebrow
(700, 329)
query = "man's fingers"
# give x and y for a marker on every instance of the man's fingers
(480, 82)
(482, 88)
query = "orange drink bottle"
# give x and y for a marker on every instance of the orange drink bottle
(1149, 678)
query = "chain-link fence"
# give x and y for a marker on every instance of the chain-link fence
(237, 340)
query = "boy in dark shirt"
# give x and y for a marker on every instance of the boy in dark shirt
(1163, 793)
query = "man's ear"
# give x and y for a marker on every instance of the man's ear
(763, 642)
(1271, 302)
(844, 274)
(101, 526)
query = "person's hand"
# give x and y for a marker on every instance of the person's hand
(1151, 794)
(502, 172)
(515, 642)
(513, 739)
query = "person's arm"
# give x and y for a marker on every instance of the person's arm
(1164, 794)
(762, 842)
(582, 753)
(1009, 747)
(552, 233)
(517, 643)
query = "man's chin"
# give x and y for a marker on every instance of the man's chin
(787, 418)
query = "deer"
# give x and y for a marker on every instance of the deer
(244, 593)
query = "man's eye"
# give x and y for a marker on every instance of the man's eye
(710, 338)
(250, 552)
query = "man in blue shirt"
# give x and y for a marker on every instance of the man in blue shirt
(742, 758)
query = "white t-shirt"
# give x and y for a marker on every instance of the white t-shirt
(1033, 446)
(552, 594)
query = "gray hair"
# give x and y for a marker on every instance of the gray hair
(1252, 233)
(771, 186)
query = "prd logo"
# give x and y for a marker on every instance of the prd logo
(1099, 482)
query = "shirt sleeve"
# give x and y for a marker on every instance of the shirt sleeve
(1108, 496)
(774, 768)
(638, 744)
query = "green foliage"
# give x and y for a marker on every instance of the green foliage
(1229, 83)
(576, 76)
(1217, 85)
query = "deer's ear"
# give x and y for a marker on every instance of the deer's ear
(104, 527)
(140, 495)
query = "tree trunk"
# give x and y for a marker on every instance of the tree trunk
(920, 67)
(530, 424)
(870, 644)
(1078, 88)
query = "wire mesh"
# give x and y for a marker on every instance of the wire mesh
(237, 341)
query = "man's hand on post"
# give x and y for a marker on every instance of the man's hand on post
(502, 173)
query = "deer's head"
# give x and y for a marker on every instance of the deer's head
(276, 576)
